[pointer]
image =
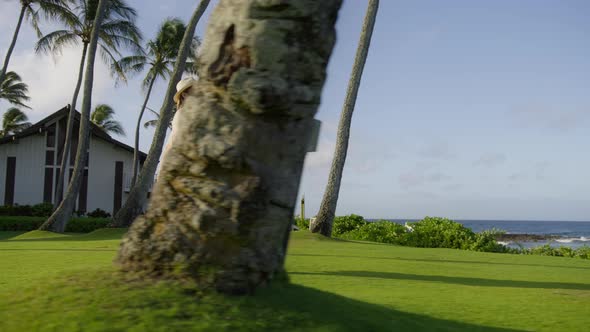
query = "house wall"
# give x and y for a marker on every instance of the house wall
(30, 161)
(101, 173)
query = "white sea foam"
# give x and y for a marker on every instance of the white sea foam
(573, 239)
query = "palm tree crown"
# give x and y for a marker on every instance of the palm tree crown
(103, 117)
(160, 53)
(117, 30)
(13, 90)
(13, 121)
(31, 9)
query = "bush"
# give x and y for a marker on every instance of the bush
(302, 223)
(98, 213)
(76, 225)
(86, 225)
(42, 210)
(347, 224)
(381, 231)
(486, 241)
(20, 223)
(434, 232)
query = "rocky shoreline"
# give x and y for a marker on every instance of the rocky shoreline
(525, 237)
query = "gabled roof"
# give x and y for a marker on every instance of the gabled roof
(40, 127)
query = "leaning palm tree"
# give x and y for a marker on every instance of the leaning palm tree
(133, 206)
(32, 9)
(325, 218)
(161, 53)
(13, 90)
(222, 209)
(58, 220)
(117, 30)
(103, 118)
(13, 121)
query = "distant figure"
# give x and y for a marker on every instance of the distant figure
(182, 88)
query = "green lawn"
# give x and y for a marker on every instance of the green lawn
(67, 283)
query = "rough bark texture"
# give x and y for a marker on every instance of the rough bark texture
(58, 220)
(325, 218)
(133, 206)
(222, 208)
(137, 130)
(65, 159)
(12, 44)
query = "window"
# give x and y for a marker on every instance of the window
(51, 136)
(49, 158)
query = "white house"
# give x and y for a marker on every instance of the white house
(30, 161)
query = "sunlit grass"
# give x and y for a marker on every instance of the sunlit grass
(70, 284)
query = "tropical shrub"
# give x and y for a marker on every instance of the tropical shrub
(347, 224)
(98, 213)
(42, 210)
(434, 232)
(302, 223)
(380, 231)
(76, 225)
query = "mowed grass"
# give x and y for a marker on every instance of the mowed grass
(68, 283)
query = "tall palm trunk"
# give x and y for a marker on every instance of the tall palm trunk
(65, 159)
(222, 208)
(137, 129)
(12, 43)
(133, 206)
(325, 218)
(58, 220)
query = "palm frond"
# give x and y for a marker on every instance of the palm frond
(13, 121)
(13, 90)
(102, 117)
(55, 41)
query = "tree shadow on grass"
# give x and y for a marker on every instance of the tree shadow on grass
(447, 261)
(328, 311)
(480, 282)
(103, 301)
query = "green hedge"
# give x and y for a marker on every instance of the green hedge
(76, 225)
(433, 232)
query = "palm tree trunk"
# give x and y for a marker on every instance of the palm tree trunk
(222, 208)
(57, 222)
(325, 218)
(137, 129)
(65, 159)
(12, 43)
(133, 206)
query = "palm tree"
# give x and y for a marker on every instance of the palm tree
(133, 206)
(160, 57)
(13, 121)
(222, 209)
(13, 90)
(117, 30)
(103, 118)
(325, 218)
(53, 9)
(58, 220)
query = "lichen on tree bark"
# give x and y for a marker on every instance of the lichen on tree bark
(223, 205)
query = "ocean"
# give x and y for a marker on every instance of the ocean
(572, 234)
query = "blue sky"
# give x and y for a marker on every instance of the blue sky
(467, 109)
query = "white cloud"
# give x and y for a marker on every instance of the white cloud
(51, 83)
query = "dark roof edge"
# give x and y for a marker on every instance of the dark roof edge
(96, 131)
